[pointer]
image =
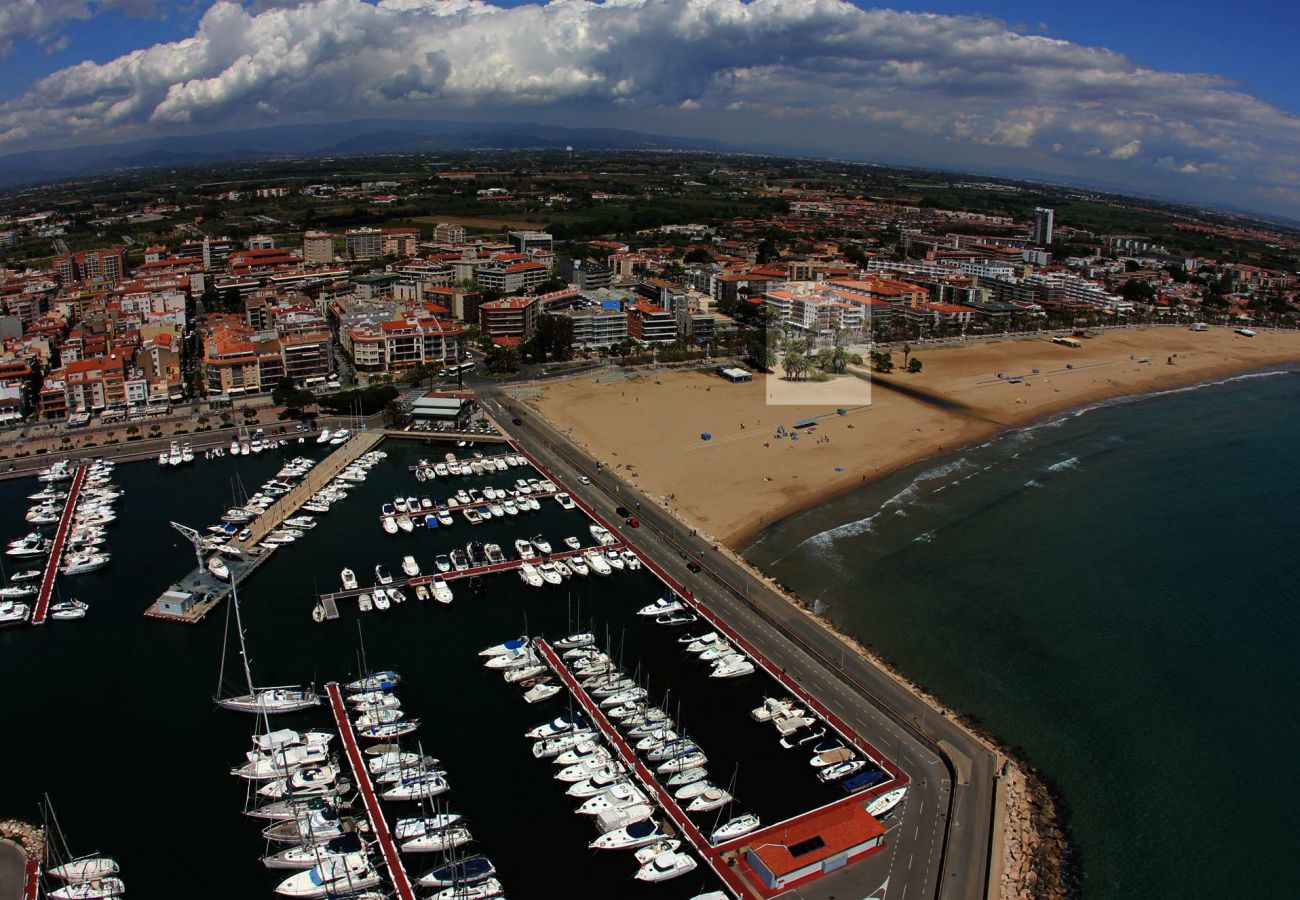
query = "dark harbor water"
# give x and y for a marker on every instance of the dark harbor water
(113, 715)
(1115, 592)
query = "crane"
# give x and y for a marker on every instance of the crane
(194, 538)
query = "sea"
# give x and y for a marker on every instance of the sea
(1114, 594)
(113, 716)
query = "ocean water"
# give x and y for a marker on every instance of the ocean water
(1115, 593)
(113, 715)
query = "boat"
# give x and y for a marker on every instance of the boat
(562, 724)
(631, 836)
(614, 559)
(376, 681)
(67, 610)
(577, 566)
(217, 566)
(542, 691)
(263, 701)
(95, 889)
(660, 606)
(334, 877)
(506, 648)
(409, 828)
(543, 546)
(666, 865)
(381, 600)
(470, 871)
(734, 828)
(840, 770)
(438, 841)
(565, 501)
(530, 576)
(682, 617)
(388, 730)
(311, 780)
(390, 524)
(731, 667)
(602, 535)
(365, 603)
(885, 803)
(483, 890)
(313, 854)
(863, 780)
(349, 580)
(554, 746)
(382, 575)
(574, 641)
(524, 548)
(442, 563)
(550, 574)
(88, 868)
(597, 562)
(692, 759)
(459, 561)
(421, 786)
(621, 794)
(404, 522)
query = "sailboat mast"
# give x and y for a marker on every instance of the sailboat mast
(239, 627)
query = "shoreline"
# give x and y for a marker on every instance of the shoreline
(739, 540)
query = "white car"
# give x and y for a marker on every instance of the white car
(583, 479)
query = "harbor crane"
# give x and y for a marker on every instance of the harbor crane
(194, 538)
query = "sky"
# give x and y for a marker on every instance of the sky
(1192, 100)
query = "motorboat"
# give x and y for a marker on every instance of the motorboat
(597, 562)
(578, 566)
(574, 641)
(339, 876)
(382, 575)
(381, 601)
(550, 574)
(549, 747)
(508, 647)
(95, 889)
(613, 558)
(619, 796)
(441, 590)
(631, 836)
(660, 606)
(584, 750)
(666, 865)
(375, 681)
(405, 523)
(459, 560)
(598, 765)
(494, 554)
(839, 770)
(563, 724)
(442, 563)
(524, 673)
(312, 780)
(524, 549)
(530, 576)
(410, 566)
(863, 780)
(217, 566)
(734, 828)
(681, 617)
(709, 799)
(694, 789)
(390, 524)
(542, 544)
(731, 667)
(718, 650)
(602, 535)
(884, 804)
(541, 691)
(68, 610)
(349, 580)
(565, 501)
(438, 841)
(88, 868)
(470, 871)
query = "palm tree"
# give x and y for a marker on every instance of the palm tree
(907, 352)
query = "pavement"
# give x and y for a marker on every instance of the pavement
(939, 841)
(13, 871)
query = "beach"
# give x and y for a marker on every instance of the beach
(649, 427)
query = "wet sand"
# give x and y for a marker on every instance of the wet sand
(648, 427)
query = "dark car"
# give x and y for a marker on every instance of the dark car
(693, 566)
(517, 421)
(633, 523)
(623, 512)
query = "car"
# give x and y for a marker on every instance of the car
(243, 534)
(517, 421)
(583, 479)
(633, 523)
(694, 566)
(623, 512)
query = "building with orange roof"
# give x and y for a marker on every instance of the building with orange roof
(651, 323)
(814, 845)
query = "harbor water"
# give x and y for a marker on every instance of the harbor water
(114, 716)
(1114, 593)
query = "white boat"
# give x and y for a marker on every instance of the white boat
(602, 535)
(89, 868)
(550, 574)
(660, 606)
(512, 646)
(409, 828)
(68, 610)
(539, 692)
(443, 563)
(381, 600)
(365, 603)
(390, 524)
(349, 579)
(524, 548)
(731, 667)
(84, 562)
(484, 890)
(542, 544)
(263, 701)
(620, 795)
(333, 877)
(565, 501)
(530, 576)
(438, 841)
(692, 759)
(734, 828)
(574, 641)
(410, 566)
(710, 799)
(840, 770)
(688, 776)
(404, 522)
(666, 865)
(422, 786)
(597, 562)
(95, 889)
(630, 836)
(441, 591)
(217, 566)
(885, 803)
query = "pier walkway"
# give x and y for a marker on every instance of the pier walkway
(317, 477)
(331, 600)
(361, 776)
(56, 551)
(643, 774)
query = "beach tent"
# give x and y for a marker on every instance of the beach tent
(705, 436)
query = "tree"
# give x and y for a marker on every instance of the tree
(393, 414)
(698, 255)
(882, 361)
(501, 361)
(795, 362)
(913, 365)
(552, 338)
(907, 352)
(551, 285)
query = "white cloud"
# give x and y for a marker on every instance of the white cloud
(946, 89)
(41, 20)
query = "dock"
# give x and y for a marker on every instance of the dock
(330, 600)
(211, 590)
(469, 459)
(662, 797)
(317, 477)
(361, 777)
(56, 551)
(461, 507)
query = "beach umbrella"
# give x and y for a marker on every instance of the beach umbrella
(705, 436)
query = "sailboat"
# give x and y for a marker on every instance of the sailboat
(90, 876)
(259, 700)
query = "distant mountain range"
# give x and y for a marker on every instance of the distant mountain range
(343, 138)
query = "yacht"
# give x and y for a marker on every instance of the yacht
(471, 871)
(734, 828)
(95, 889)
(530, 576)
(349, 580)
(84, 562)
(410, 566)
(660, 606)
(324, 437)
(602, 535)
(304, 782)
(438, 841)
(510, 647)
(441, 591)
(339, 876)
(13, 612)
(631, 836)
(541, 691)
(885, 803)
(550, 574)
(575, 641)
(731, 667)
(68, 610)
(666, 865)
(543, 546)
(708, 800)
(597, 562)
(340, 437)
(565, 501)
(375, 681)
(840, 770)
(578, 566)
(560, 725)
(217, 566)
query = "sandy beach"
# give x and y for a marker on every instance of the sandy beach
(648, 427)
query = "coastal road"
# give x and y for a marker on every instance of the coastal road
(938, 844)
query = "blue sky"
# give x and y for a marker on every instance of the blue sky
(1191, 100)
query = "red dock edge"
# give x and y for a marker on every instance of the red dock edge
(897, 778)
(32, 882)
(702, 846)
(56, 552)
(396, 871)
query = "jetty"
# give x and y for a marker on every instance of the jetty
(643, 774)
(56, 550)
(192, 597)
(330, 601)
(361, 777)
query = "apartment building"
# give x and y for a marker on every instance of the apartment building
(318, 248)
(597, 328)
(510, 278)
(651, 324)
(108, 264)
(364, 243)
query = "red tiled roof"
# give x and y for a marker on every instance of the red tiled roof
(839, 829)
